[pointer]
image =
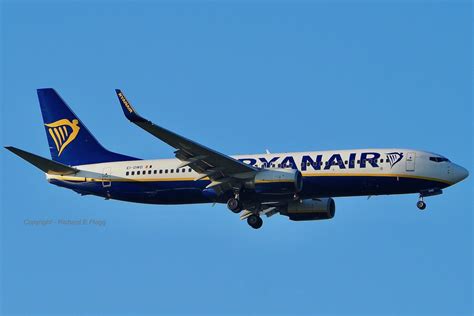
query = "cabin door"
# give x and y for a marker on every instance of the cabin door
(410, 161)
(106, 175)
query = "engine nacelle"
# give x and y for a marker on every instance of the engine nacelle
(311, 209)
(277, 181)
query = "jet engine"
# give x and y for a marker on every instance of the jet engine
(277, 181)
(310, 209)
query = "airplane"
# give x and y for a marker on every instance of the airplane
(299, 185)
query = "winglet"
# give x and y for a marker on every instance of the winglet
(46, 165)
(127, 108)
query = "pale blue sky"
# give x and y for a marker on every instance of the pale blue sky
(239, 77)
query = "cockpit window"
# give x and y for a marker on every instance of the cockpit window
(439, 159)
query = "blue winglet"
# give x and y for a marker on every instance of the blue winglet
(127, 108)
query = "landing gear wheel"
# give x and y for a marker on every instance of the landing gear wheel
(421, 205)
(255, 221)
(234, 205)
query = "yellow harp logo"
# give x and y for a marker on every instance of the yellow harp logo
(63, 132)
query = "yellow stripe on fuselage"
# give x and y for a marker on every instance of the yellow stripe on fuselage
(86, 179)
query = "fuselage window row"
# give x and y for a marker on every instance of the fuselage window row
(315, 165)
(161, 171)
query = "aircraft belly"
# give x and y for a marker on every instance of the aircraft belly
(331, 186)
(160, 192)
(187, 192)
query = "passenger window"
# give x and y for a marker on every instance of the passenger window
(161, 171)
(126, 173)
(184, 170)
(166, 170)
(138, 173)
(189, 169)
(171, 170)
(133, 173)
(177, 170)
(149, 171)
(155, 171)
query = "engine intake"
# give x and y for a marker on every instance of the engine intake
(311, 209)
(277, 181)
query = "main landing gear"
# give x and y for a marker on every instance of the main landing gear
(255, 221)
(234, 205)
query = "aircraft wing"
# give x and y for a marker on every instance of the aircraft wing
(223, 170)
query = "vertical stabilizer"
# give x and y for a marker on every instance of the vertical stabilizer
(70, 142)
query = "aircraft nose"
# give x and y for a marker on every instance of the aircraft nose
(460, 173)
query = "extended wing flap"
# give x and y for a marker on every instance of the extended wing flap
(194, 155)
(46, 165)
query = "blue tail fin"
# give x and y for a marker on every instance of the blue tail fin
(70, 142)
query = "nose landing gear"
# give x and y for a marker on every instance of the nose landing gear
(421, 204)
(431, 192)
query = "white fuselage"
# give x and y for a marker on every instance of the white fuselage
(391, 162)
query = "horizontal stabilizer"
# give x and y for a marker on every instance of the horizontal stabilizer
(46, 165)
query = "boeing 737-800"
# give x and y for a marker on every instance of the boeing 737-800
(300, 185)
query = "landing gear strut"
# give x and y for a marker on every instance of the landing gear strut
(234, 205)
(421, 204)
(424, 193)
(255, 221)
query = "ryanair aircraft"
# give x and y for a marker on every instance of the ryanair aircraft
(300, 185)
